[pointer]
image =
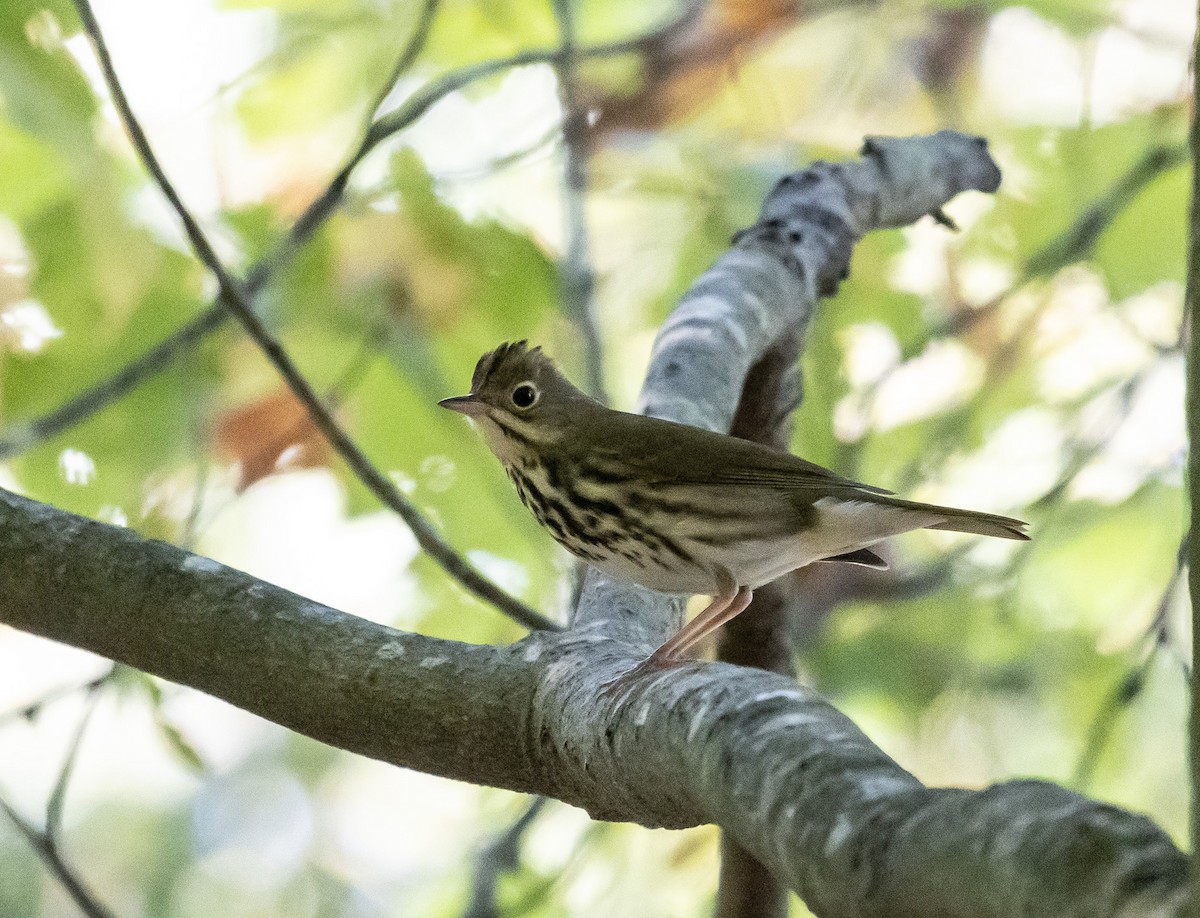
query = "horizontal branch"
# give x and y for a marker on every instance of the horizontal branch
(791, 779)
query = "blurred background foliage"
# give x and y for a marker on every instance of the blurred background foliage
(1028, 364)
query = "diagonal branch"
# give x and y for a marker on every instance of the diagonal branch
(237, 300)
(45, 848)
(57, 801)
(499, 856)
(408, 55)
(1077, 241)
(22, 436)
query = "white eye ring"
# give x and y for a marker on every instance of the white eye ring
(525, 395)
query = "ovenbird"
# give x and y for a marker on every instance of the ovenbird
(676, 508)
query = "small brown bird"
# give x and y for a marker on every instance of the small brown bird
(676, 508)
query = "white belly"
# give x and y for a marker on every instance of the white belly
(842, 526)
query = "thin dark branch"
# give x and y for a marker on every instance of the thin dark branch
(1160, 626)
(1100, 731)
(500, 856)
(489, 167)
(1075, 243)
(58, 796)
(31, 710)
(1082, 447)
(26, 435)
(23, 436)
(408, 56)
(343, 386)
(1188, 334)
(578, 283)
(1079, 240)
(237, 300)
(52, 858)
(1131, 685)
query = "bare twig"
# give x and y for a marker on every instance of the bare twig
(408, 55)
(23, 436)
(31, 710)
(489, 167)
(1131, 685)
(52, 858)
(1077, 241)
(58, 796)
(578, 282)
(45, 842)
(1100, 730)
(498, 857)
(237, 300)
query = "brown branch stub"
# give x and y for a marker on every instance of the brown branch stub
(761, 638)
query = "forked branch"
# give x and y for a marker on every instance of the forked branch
(791, 780)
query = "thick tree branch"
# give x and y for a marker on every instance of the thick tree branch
(791, 780)
(766, 288)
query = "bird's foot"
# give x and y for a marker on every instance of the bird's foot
(655, 663)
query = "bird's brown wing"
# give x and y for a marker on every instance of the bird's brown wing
(679, 453)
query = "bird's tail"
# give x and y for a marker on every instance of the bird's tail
(988, 524)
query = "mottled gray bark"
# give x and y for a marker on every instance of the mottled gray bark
(771, 391)
(791, 780)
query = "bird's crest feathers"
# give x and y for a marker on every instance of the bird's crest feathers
(514, 362)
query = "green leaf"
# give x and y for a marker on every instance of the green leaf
(35, 174)
(179, 745)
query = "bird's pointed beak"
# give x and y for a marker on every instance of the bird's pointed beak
(464, 404)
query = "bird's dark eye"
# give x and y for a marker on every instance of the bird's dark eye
(525, 395)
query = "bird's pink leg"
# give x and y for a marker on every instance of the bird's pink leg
(716, 614)
(725, 605)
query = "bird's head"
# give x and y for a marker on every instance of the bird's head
(518, 395)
